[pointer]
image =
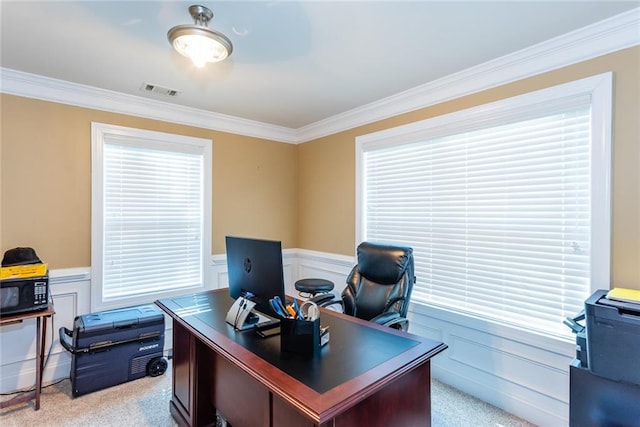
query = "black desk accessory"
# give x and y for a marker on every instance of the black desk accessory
(301, 337)
(268, 332)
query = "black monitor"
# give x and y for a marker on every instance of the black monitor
(255, 266)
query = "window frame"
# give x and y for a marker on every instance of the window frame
(598, 88)
(100, 133)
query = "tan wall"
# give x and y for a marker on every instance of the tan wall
(327, 165)
(45, 187)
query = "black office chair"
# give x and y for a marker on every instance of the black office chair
(378, 287)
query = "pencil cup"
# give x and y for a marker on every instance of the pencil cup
(301, 337)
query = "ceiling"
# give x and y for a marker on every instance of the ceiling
(294, 63)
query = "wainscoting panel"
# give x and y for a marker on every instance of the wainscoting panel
(69, 289)
(515, 370)
(219, 276)
(495, 359)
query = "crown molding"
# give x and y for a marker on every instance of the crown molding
(613, 34)
(48, 89)
(607, 36)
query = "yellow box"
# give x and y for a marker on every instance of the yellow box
(23, 271)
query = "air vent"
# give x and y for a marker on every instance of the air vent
(159, 90)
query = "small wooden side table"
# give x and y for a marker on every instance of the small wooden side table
(41, 336)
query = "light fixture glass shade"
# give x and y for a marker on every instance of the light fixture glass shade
(200, 46)
(199, 43)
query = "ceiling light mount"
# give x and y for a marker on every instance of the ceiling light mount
(201, 15)
(198, 42)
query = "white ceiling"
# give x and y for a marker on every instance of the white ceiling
(294, 63)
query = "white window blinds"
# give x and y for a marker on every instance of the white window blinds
(153, 228)
(499, 216)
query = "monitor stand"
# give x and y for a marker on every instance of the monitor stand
(242, 316)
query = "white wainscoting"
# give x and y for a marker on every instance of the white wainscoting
(516, 370)
(70, 289)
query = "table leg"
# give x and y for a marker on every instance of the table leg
(39, 357)
(41, 340)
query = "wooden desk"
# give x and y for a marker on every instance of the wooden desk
(366, 375)
(41, 336)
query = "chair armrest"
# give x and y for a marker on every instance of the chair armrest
(329, 301)
(392, 320)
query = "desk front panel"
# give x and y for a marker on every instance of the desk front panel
(235, 394)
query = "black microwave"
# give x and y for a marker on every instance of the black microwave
(23, 295)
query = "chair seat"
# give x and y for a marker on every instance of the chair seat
(314, 286)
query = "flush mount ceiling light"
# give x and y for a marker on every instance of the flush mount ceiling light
(197, 42)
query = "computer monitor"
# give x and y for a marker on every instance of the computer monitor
(255, 266)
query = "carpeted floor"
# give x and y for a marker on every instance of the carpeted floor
(145, 402)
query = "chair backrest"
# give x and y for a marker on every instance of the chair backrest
(381, 282)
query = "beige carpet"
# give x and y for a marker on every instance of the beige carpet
(145, 402)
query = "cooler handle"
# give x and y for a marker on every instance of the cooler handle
(98, 346)
(64, 331)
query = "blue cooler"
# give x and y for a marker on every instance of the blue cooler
(113, 347)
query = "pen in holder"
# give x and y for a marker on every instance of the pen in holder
(301, 337)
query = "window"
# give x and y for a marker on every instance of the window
(151, 215)
(506, 205)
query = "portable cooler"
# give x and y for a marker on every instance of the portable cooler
(115, 346)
